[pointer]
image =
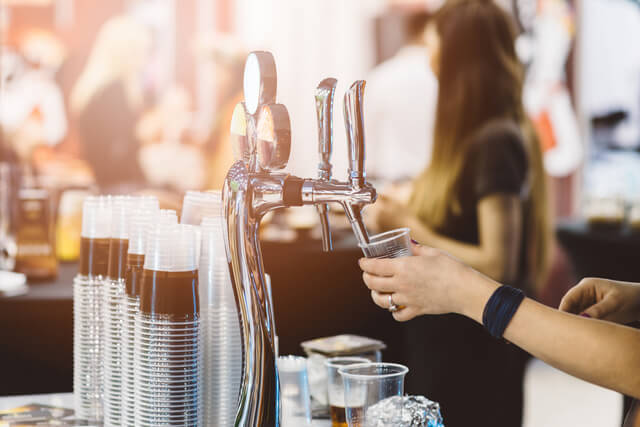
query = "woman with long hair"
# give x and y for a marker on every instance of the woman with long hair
(482, 199)
(108, 98)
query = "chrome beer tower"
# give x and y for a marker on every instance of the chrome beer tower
(261, 136)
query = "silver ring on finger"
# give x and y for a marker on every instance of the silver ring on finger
(392, 307)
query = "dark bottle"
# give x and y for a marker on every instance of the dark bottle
(35, 255)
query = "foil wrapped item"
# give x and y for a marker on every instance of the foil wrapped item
(404, 411)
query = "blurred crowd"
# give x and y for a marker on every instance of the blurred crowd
(115, 130)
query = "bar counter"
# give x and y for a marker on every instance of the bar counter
(65, 400)
(315, 294)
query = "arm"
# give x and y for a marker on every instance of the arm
(499, 234)
(600, 352)
(499, 228)
(432, 282)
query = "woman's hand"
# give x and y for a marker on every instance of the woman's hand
(604, 299)
(430, 282)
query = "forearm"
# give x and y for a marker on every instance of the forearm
(600, 352)
(473, 255)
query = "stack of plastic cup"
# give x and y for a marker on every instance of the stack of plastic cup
(294, 386)
(88, 344)
(198, 205)
(221, 328)
(166, 216)
(167, 352)
(144, 212)
(113, 294)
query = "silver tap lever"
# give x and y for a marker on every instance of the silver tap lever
(354, 124)
(324, 108)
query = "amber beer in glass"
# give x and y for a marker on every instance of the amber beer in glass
(335, 388)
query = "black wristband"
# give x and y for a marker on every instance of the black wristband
(500, 308)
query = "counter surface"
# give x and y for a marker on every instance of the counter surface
(65, 400)
(316, 294)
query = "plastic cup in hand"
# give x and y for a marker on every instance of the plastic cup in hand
(390, 244)
(294, 389)
(336, 387)
(367, 384)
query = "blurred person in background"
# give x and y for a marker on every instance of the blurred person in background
(108, 99)
(33, 111)
(400, 108)
(169, 130)
(167, 137)
(227, 56)
(482, 199)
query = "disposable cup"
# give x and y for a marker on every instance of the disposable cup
(391, 244)
(367, 384)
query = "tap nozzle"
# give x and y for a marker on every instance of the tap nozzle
(324, 108)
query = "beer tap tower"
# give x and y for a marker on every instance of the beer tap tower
(261, 135)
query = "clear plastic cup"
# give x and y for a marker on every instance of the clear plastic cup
(294, 389)
(390, 244)
(198, 205)
(89, 309)
(96, 217)
(367, 384)
(171, 248)
(168, 356)
(145, 213)
(222, 336)
(113, 306)
(335, 387)
(140, 221)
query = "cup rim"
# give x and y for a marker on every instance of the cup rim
(292, 363)
(391, 233)
(402, 370)
(330, 362)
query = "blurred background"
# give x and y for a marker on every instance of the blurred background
(128, 96)
(65, 63)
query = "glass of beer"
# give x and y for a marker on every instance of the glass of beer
(367, 384)
(336, 387)
(390, 244)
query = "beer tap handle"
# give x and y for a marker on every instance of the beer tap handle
(354, 124)
(324, 108)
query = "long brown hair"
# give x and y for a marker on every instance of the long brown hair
(480, 81)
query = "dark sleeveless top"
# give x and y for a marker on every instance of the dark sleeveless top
(633, 417)
(497, 163)
(476, 379)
